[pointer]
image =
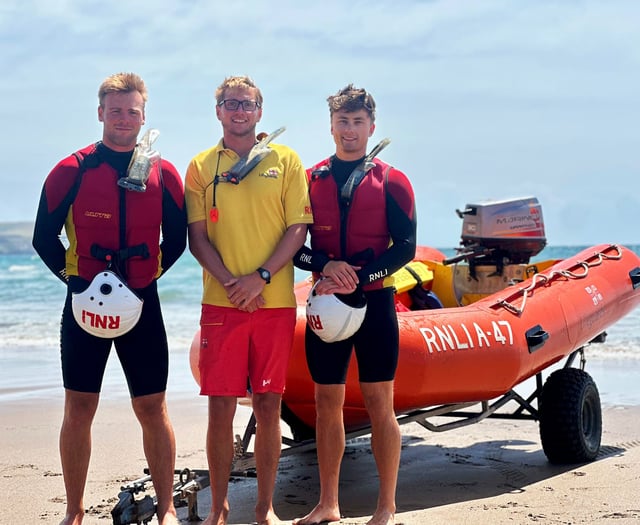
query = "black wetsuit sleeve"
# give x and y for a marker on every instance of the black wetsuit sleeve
(310, 260)
(58, 193)
(46, 236)
(174, 217)
(402, 224)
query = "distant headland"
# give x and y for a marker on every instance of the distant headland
(15, 237)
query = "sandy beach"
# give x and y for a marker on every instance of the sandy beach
(493, 472)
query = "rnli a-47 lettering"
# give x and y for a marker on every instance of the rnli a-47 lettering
(441, 338)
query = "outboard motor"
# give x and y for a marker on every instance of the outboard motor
(500, 232)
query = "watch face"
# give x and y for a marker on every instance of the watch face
(265, 274)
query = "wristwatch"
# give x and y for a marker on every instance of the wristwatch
(265, 274)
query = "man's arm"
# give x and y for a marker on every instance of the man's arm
(55, 200)
(291, 242)
(244, 291)
(46, 237)
(206, 254)
(402, 224)
(174, 217)
(250, 286)
(310, 260)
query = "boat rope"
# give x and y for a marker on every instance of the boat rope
(578, 271)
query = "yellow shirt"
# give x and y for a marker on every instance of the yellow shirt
(252, 215)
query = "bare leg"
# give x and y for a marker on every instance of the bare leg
(220, 455)
(266, 408)
(159, 449)
(330, 439)
(75, 450)
(386, 445)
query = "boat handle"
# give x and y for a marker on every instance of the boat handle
(635, 277)
(536, 338)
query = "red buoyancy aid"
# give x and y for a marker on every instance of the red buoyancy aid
(366, 226)
(96, 216)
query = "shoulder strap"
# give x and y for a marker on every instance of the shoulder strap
(90, 160)
(81, 169)
(358, 174)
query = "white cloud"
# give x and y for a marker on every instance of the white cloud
(481, 99)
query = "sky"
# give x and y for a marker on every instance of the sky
(482, 99)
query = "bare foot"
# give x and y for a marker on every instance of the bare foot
(382, 517)
(320, 514)
(170, 518)
(73, 519)
(216, 518)
(271, 519)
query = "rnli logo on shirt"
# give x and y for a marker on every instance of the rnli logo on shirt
(271, 173)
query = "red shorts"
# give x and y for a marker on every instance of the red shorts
(237, 346)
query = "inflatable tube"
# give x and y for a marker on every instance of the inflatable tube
(482, 350)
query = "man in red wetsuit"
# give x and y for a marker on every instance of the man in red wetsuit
(111, 226)
(357, 239)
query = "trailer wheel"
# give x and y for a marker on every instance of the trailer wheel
(570, 417)
(299, 429)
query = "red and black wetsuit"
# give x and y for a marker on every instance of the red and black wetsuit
(144, 232)
(375, 230)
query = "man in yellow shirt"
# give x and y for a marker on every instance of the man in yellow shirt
(244, 230)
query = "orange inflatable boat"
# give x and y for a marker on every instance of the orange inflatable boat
(492, 321)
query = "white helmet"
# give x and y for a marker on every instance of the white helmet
(108, 307)
(331, 318)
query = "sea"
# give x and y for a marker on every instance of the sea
(31, 301)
